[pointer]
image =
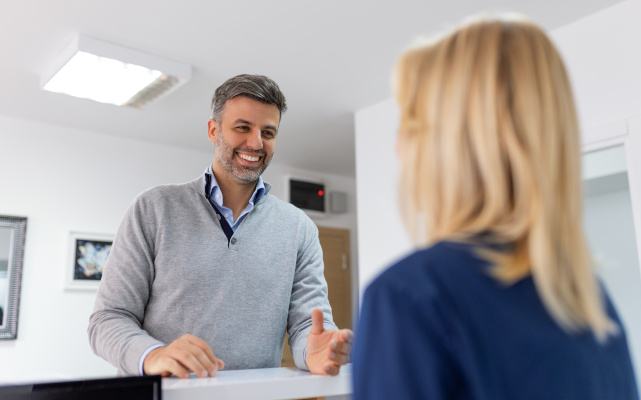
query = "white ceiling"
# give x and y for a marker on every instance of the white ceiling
(330, 58)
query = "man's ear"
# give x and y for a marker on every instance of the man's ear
(212, 130)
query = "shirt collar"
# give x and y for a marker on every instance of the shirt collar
(212, 190)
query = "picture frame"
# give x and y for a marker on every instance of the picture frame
(88, 254)
(13, 232)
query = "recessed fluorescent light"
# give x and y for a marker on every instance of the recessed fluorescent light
(107, 73)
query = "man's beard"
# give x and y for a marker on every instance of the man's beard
(225, 154)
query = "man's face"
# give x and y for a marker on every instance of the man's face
(244, 138)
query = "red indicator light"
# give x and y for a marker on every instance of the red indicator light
(320, 193)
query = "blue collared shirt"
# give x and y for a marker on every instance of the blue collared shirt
(216, 198)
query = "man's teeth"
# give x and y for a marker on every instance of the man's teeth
(248, 157)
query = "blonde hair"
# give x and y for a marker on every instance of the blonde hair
(489, 145)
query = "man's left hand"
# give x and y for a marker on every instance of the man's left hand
(327, 350)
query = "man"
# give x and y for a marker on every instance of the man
(210, 274)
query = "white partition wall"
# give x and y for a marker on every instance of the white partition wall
(381, 238)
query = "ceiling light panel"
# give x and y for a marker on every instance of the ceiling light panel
(107, 73)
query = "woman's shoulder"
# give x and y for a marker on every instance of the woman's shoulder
(429, 271)
(445, 256)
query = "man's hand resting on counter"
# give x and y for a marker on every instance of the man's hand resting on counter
(186, 354)
(327, 350)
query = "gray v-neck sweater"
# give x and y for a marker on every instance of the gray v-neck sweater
(172, 271)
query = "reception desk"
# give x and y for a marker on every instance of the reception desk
(268, 383)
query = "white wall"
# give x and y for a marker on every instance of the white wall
(69, 180)
(381, 237)
(601, 52)
(64, 180)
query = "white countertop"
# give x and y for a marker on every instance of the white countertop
(267, 383)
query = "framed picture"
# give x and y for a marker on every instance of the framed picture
(13, 231)
(88, 254)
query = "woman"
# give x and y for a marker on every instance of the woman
(501, 301)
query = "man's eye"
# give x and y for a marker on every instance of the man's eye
(242, 128)
(268, 134)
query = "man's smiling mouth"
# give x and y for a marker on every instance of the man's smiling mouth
(251, 158)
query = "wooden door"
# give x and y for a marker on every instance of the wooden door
(336, 257)
(338, 273)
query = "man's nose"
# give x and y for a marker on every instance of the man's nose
(255, 140)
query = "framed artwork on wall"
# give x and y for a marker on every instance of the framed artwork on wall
(88, 254)
(13, 232)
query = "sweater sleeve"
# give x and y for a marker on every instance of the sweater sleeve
(400, 349)
(309, 291)
(115, 332)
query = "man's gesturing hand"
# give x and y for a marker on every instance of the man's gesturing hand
(186, 354)
(327, 350)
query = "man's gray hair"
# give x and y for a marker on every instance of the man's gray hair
(257, 87)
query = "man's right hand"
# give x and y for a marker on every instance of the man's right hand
(186, 354)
